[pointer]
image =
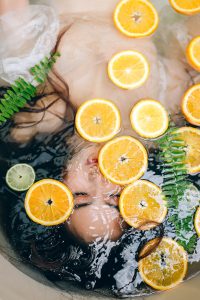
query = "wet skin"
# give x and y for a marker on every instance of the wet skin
(96, 213)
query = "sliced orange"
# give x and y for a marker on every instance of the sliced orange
(193, 53)
(186, 7)
(166, 266)
(128, 69)
(142, 205)
(197, 221)
(149, 118)
(49, 202)
(123, 160)
(98, 120)
(136, 18)
(191, 136)
(191, 105)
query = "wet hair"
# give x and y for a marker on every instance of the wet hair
(52, 249)
(59, 89)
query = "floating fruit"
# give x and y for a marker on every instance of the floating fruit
(98, 120)
(49, 202)
(123, 160)
(193, 53)
(197, 221)
(20, 177)
(186, 7)
(128, 69)
(191, 105)
(191, 136)
(149, 118)
(142, 205)
(165, 266)
(136, 18)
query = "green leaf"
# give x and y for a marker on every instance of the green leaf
(22, 91)
(175, 182)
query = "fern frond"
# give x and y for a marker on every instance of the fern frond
(15, 98)
(41, 70)
(172, 156)
(22, 91)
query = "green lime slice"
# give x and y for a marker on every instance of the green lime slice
(20, 177)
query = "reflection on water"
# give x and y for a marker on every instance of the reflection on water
(103, 265)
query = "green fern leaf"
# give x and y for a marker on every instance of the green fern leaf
(21, 92)
(172, 156)
(15, 98)
(41, 70)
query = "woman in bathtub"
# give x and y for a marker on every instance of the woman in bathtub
(80, 249)
(86, 42)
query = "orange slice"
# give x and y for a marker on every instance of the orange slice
(128, 69)
(193, 53)
(136, 18)
(142, 205)
(191, 105)
(98, 120)
(49, 202)
(197, 221)
(149, 118)
(166, 266)
(191, 136)
(123, 160)
(186, 7)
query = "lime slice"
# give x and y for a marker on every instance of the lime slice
(20, 177)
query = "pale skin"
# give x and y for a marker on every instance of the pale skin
(96, 213)
(85, 49)
(88, 45)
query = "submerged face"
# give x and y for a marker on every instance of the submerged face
(96, 213)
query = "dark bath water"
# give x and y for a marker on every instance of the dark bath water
(110, 266)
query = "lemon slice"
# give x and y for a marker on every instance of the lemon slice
(193, 53)
(142, 205)
(98, 120)
(191, 136)
(166, 266)
(20, 177)
(136, 18)
(149, 118)
(128, 69)
(123, 160)
(197, 221)
(186, 7)
(49, 202)
(191, 105)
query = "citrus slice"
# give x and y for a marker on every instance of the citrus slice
(193, 53)
(136, 18)
(98, 120)
(197, 221)
(142, 205)
(166, 266)
(186, 7)
(49, 202)
(191, 136)
(149, 118)
(191, 105)
(123, 160)
(128, 69)
(20, 177)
